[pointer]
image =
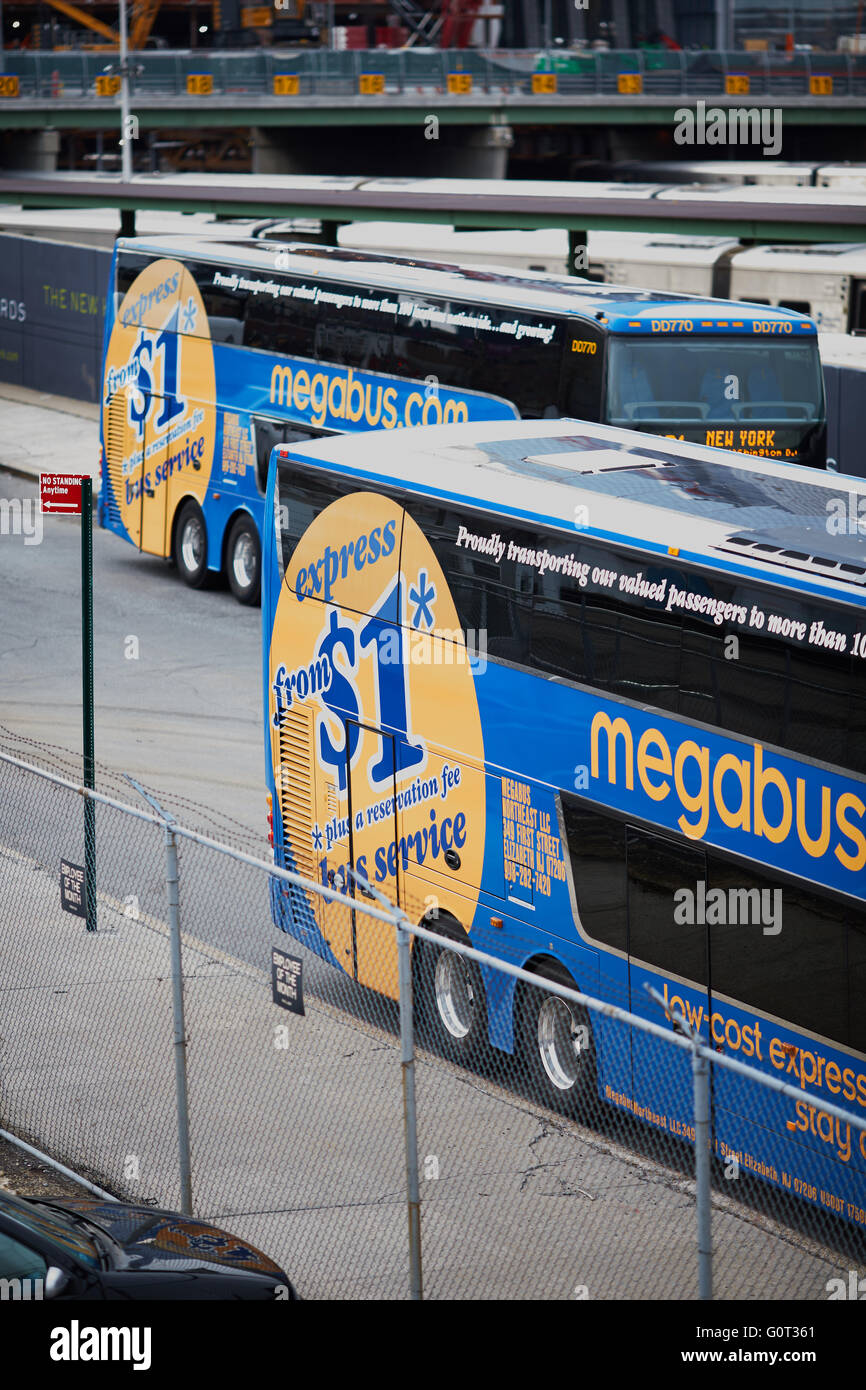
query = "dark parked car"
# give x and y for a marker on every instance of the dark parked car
(89, 1248)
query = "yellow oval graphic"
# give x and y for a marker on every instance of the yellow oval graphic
(376, 736)
(159, 402)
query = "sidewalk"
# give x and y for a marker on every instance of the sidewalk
(41, 433)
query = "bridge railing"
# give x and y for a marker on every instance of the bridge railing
(460, 75)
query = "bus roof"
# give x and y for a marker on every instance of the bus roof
(773, 521)
(619, 308)
(835, 258)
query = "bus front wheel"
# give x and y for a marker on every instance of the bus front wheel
(190, 546)
(244, 561)
(556, 1045)
(451, 1007)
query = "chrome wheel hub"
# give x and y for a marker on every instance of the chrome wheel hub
(244, 560)
(192, 543)
(455, 994)
(561, 1040)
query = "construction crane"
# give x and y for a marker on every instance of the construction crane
(143, 14)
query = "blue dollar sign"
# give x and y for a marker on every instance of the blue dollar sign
(139, 413)
(340, 698)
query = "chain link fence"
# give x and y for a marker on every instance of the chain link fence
(162, 1056)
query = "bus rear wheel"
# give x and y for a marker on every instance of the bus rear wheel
(190, 546)
(244, 561)
(556, 1044)
(451, 1006)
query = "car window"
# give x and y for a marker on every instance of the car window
(54, 1225)
(18, 1261)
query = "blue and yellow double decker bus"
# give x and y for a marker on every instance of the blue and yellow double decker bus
(216, 352)
(599, 701)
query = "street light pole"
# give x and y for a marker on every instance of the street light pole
(125, 132)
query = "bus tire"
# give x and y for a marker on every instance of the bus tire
(244, 560)
(556, 1044)
(450, 1001)
(190, 545)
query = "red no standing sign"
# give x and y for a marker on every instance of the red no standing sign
(60, 492)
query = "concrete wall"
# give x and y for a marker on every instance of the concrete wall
(52, 309)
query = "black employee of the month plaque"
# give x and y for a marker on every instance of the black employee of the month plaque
(72, 888)
(287, 978)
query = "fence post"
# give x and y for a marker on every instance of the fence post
(180, 1080)
(701, 1079)
(87, 699)
(410, 1125)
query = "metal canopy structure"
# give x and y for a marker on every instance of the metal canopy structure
(754, 213)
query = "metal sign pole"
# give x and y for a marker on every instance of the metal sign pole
(87, 698)
(125, 130)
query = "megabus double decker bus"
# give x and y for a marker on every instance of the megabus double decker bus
(600, 700)
(216, 352)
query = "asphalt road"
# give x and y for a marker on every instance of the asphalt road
(176, 672)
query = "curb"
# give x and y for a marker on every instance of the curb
(60, 1167)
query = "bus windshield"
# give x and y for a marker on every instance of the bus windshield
(680, 383)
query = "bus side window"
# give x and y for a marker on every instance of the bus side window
(493, 600)
(224, 306)
(857, 322)
(770, 691)
(857, 720)
(130, 264)
(521, 369)
(791, 962)
(857, 981)
(298, 501)
(359, 338)
(601, 638)
(423, 348)
(582, 371)
(657, 935)
(267, 433)
(596, 847)
(286, 325)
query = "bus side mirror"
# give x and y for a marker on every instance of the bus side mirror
(832, 466)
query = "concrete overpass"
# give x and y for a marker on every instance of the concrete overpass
(605, 105)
